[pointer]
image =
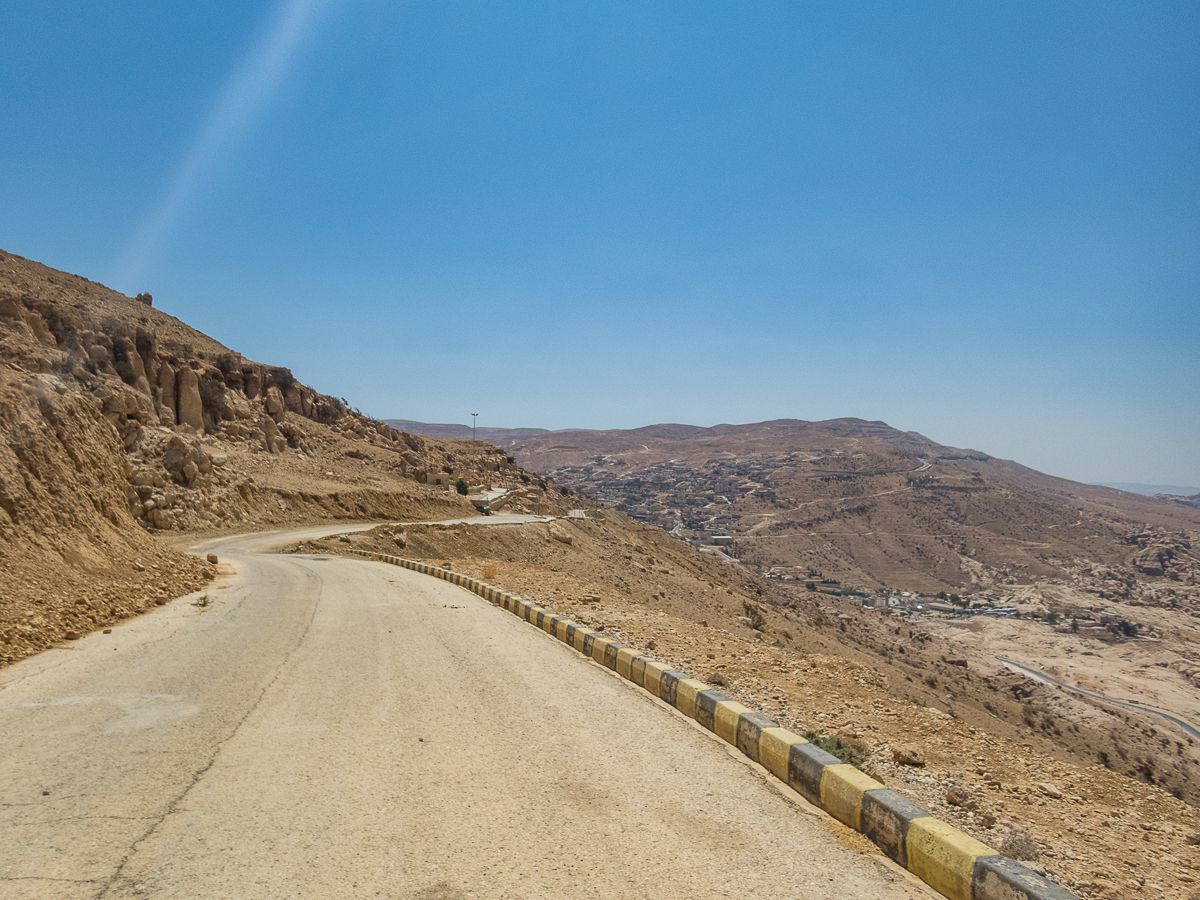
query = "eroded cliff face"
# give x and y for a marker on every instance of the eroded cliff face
(190, 414)
(72, 556)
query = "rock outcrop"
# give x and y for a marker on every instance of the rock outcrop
(190, 407)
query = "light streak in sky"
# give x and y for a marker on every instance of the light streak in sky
(239, 104)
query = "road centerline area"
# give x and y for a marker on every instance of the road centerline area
(348, 733)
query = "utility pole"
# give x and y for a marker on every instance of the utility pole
(474, 418)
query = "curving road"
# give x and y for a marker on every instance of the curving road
(1042, 676)
(322, 727)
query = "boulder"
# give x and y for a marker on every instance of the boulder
(1050, 790)
(957, 795)
(274, 403)
(560, 534)
(253, 385)
(273, 441)
(235, 406)
(187, 398)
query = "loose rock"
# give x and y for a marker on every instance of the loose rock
(908, 755)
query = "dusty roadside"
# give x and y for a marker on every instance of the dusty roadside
(1100, 833)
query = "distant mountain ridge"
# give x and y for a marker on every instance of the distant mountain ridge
(909, 441)
(1149, 490)
(576, 439)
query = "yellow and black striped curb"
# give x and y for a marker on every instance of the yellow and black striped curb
(945, 858)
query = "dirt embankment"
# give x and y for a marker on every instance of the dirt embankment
(71, 556)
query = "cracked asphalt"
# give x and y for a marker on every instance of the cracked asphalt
(333, 728)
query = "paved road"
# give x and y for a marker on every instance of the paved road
(1042, 676)
(336, 728)
(493, 519)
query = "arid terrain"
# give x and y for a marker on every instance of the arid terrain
(868, 506)
(1098, 586)
(127, 435)
(121, 424)
(999, 754)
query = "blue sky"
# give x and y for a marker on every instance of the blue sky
(976, 221)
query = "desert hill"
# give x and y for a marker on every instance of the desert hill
(119, 422)
(868, 506)
(125, 434)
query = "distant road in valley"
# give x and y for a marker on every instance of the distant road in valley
(1042, 676)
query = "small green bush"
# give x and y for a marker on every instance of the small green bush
(835, 746)
(462, 487)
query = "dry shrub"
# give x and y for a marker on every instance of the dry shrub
(1021, 846)
(859, 746)
(489, 572)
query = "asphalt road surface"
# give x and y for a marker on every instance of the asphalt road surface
(322, 727)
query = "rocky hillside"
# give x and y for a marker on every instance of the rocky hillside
(867, 506)
(119, 422)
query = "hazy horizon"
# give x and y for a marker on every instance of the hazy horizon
(1135, 487)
